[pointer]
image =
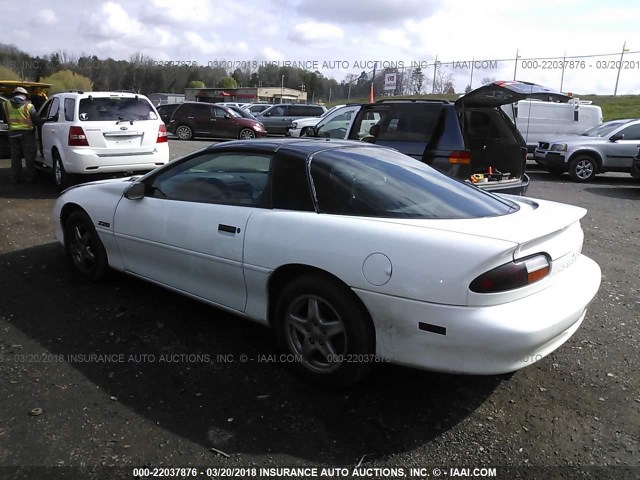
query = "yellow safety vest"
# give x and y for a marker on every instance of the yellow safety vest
(18, 118)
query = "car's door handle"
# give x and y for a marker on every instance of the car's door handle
(228, 228)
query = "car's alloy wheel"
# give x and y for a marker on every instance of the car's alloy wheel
(86, 252)
(60, 176)
(583, 168)
(184, 133)
(246, 134)
(325, 331)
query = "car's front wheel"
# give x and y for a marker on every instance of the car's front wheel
(85, 250)
(246, 134)
(183, 132)
(583, 168)
(324, 330)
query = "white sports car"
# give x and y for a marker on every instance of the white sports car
(353, 253)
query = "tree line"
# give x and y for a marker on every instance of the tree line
(143, 74)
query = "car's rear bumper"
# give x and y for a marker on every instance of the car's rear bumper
(512, 187)
(483, 340)
(82, 160)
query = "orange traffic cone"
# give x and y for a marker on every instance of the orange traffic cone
(371, 94)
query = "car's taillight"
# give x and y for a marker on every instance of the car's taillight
(460, 156)
(162, 134)
(509, 276)
(77, 138)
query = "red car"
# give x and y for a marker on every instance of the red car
(201, 119)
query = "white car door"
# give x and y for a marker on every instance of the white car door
(50, 129)
(187, 232)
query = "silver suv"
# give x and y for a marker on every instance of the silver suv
(278, 118)
(608, 147)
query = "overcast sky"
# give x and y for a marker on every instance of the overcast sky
(349, 31)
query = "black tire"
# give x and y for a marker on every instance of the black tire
(184, 132)
(85, 250)
(583, 168)
(246, 134)
(60, 176)
(323, 327)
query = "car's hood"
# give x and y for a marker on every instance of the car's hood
(501, 93)
(307, 121)
(576, 140)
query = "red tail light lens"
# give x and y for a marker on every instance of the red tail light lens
(77, 138)
(512, 275)
(162, 134)
(460, 156)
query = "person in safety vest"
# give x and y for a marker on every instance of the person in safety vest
(21, 117)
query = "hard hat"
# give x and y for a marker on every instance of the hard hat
(20, 91)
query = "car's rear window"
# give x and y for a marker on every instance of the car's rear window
(399, 122)
(101, 109)
(384, 183)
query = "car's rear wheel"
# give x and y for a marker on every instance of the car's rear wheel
(85, 250)
(246, 134)
(183, 132)
(326, 333)
(60, 175)
(583, 168)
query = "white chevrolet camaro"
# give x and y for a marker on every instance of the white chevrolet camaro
(353, 253)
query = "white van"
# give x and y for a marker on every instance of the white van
(539, 120)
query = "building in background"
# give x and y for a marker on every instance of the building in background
(246, 95)
(165, 98)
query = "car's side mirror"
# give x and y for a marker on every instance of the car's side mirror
(616, 137)
(268, 114)
(227, 116)
(135, 191)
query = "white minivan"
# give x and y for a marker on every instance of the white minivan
(540, 121)
(87, 133)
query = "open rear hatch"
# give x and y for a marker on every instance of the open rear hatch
(501, 93)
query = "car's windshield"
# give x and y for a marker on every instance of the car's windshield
(384, 183)
(98, 109)
(603, 129)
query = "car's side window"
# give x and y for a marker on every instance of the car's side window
(44, 111)
(279, 111)
(69, 109)
(632, 132)
(218, 113)
(54, 110)
(232, 178)
(290, 188)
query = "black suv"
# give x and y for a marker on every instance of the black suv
(466, 139)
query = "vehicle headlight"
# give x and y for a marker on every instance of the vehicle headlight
(294, 125)
(559, 147)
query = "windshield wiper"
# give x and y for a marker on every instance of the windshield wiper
(122, 119)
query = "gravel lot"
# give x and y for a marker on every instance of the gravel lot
(169, 389)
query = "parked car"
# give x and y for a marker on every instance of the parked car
(609, 147)
(86, 133)
(471, 139)
(557, 115)
(232, 104)
(338, 124)
(255, 108)
(277, 118)
(241, 112)
(303, 127)
(165, 111)
(354, 253)
(200, 119)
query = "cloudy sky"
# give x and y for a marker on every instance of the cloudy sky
(348, 31)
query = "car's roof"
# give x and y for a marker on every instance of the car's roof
(87, 94)
(303, 147)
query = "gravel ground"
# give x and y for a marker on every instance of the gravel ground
(167, 387)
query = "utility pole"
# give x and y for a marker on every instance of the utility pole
(471, 79)
(615, 91)
(515, 68)
(564, 58)
(435, 74)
